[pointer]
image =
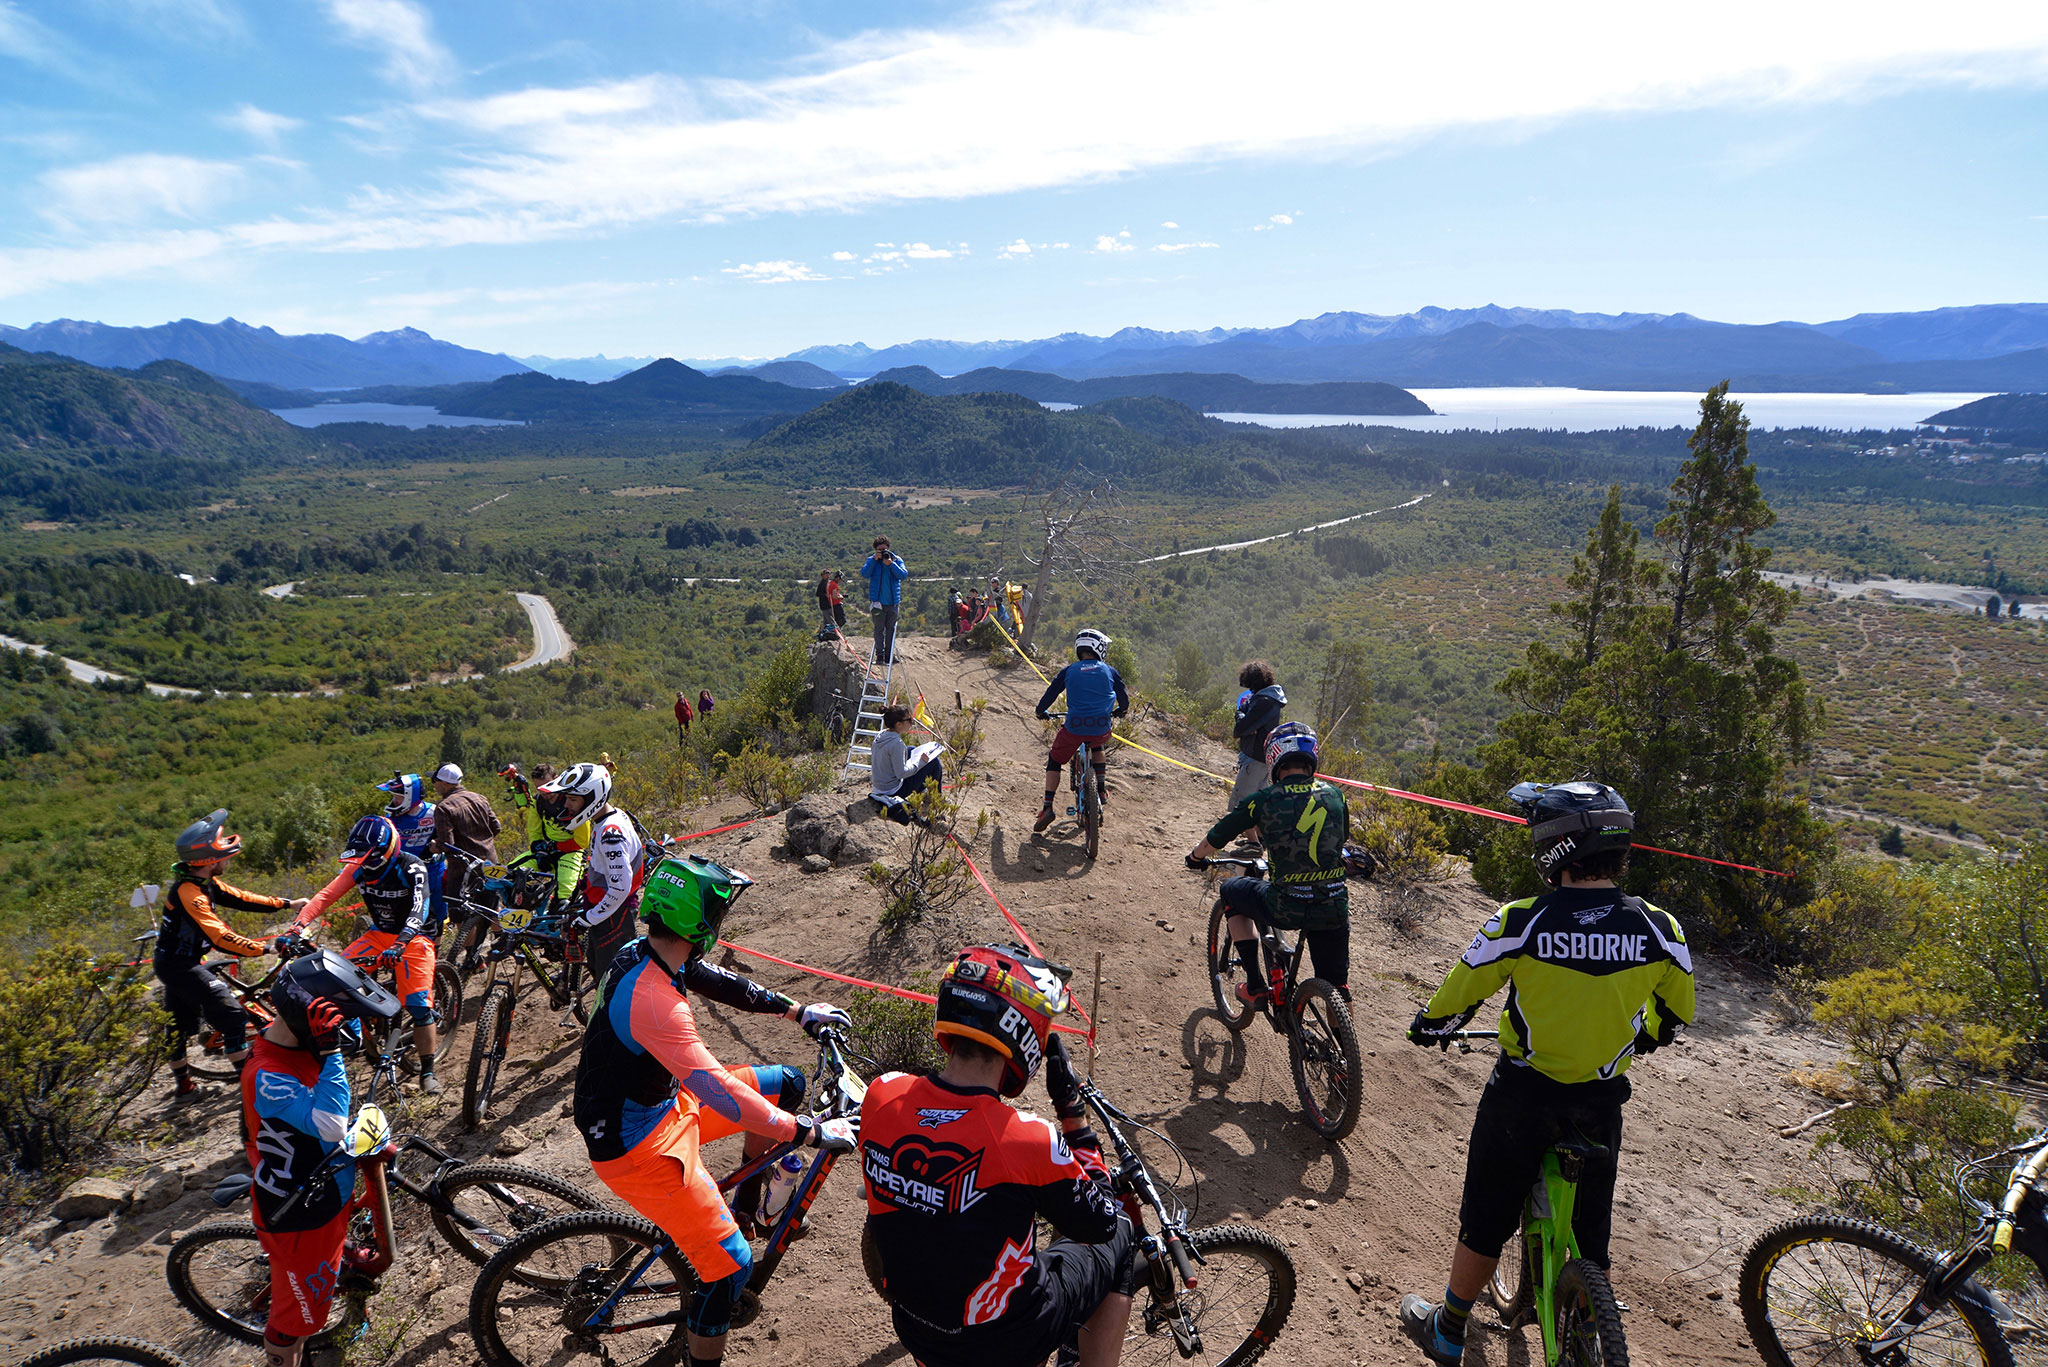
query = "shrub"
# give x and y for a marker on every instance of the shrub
(1403, 837)
(963, 736)
(1124, 661)
(78, 1043)
(755, 775)
(895, 1033)
(296, 829)
(934, 877)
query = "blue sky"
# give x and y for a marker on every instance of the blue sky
(745, 177)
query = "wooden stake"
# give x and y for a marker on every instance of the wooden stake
(1095, 1016)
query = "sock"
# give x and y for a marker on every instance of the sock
(1248, 956)
(1451, 1320)
(696, 1361)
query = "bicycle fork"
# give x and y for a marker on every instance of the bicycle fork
(1552, 1243)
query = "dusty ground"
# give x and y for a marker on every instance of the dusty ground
(1702, 1153)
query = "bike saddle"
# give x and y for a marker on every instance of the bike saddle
(232, 1188)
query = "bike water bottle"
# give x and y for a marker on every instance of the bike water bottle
(781, 1186)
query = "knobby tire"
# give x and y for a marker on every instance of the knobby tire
(508, 1199)
(522, 1297)
(487, 1053)
(1588, 1319)
(1321, 1026)
(1222, 984)
(1512, 1286)
(1810, 1286)
(1236, 1317)
(448, 1006)
(103, 1350)
(234, 1297)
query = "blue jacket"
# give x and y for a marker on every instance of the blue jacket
(1095, 694)
(885, 579)
(1257, 715)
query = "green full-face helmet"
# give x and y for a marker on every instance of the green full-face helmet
(689, 896)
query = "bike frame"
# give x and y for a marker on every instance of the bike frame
(1276, 948)
(1134, 1186)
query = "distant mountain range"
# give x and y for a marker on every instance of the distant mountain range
(232, 350)
(591, 369)
(801, 374)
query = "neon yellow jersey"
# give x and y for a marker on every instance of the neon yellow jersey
(1585, 969)
(571, 845)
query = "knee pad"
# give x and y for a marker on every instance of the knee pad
(711, 1309)
(1052, 766)
(791, 1093)
(421, 1005)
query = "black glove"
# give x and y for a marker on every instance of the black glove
(1060, 1083)
(1426, 1029)
(1044, 715)
(544, 853)
(1648, 1043)
(1359, 864)
(1197, 863)
(1121, 711)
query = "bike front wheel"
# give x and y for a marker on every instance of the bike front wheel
(1237, 1308)
(89, 1352)
(557, 1293)
(1510, 1286)
(488, 1205)
(1588, 1319)
(221, 1274)
(487, 1054)
(1816, 1290)
(1322, 1050)
(1222, 982)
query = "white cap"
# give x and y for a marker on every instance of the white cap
(449, 773)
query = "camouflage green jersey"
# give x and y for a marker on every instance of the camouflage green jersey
(1304, 824)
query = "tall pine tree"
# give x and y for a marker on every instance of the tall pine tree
(1671, 689)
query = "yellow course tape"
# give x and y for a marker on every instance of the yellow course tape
(1181, 764)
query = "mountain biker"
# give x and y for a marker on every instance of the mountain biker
(603, 907)
(549, 844)
(956, 1180)
(1303, 822)
(649, 1093)
(393, 885)
(1258, 712)
(295, 1114)
(191, 928)
(1595, 978)
(414, 816)
(1095, 698)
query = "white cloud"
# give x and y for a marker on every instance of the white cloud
(1274, 221)
(261, 125)
(843, 256)
(1018, 248)
(774, 272)
(138, 188)
(403, 32)
(1181, 246)
(26, 39)
(922, 114)
(923, 251)
(1169, 225)
(1106, 243)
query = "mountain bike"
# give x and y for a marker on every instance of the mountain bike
(386, 1046)
(1546, 1280)
(1827, 1289)
(220, 1273)
(1322, 1046)
(611, 1286)
(108, 1350)
(1087, 783)
(206, 1053)
(523, 937)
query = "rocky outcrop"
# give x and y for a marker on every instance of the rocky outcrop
(827, 825)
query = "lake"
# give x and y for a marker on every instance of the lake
(1596, 410)
(396, 414)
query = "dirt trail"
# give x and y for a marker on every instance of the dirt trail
(1702, 1154)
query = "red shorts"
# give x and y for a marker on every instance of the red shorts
(1066, 743)
(415, 967)
(304, 1268)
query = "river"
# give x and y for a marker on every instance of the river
(396, 414)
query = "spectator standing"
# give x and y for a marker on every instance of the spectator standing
(683, 716)
(1258, 712)
(704, 703)
(824, 593)
(835, 597)
(956, 610)
(463, 817)
(885, 573)
(892, 777)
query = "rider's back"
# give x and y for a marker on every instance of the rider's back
(955, 1181)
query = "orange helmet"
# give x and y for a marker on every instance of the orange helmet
(1005, 998)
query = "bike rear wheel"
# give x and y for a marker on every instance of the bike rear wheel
(1812, 1289)
(578, 980)
(557, 1274)
(221, 1274)
(491, 1204)
(1510, 1286)
(1241, 1303)
(208, 1059)
(1222, 979)
(487, 1053)
(102, 1350)
(1588, 1320)
(1322, 1050)
(1087, 808)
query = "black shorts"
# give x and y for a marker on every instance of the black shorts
(1329, 947)
(1521, 1115)
(192, 993)
(1073, 1280)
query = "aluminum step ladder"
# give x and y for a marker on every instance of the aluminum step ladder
(867, 721)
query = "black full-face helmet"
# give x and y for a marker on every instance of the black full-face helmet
(1570, 822)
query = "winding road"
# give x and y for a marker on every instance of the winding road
(550, 643)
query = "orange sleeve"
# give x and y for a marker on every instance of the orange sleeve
(194, 902)
(319, 902)
(240, 899)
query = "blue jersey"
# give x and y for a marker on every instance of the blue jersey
(415, 835)
(1095, 696)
